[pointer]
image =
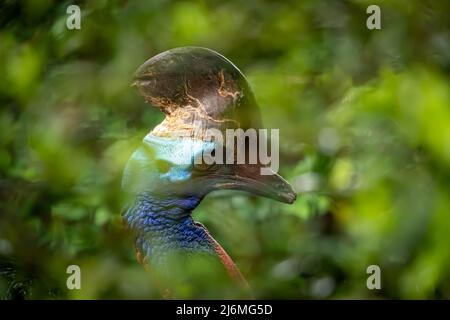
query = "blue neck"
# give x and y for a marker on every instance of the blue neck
(165, 226)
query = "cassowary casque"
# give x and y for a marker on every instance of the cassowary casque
(197, 89)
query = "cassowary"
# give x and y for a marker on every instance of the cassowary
(197, 89)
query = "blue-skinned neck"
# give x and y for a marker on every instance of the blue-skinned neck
(164, 226)
(162, 218)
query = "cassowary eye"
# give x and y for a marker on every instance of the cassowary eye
(163, 166)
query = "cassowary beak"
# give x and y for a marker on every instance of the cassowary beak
(247, 177)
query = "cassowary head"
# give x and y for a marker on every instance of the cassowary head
(197, 89)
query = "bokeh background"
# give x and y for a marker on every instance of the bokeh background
(365, 140)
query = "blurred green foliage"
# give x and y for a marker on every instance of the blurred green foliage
(365, 140)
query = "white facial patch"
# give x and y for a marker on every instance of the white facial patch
(181, 152)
